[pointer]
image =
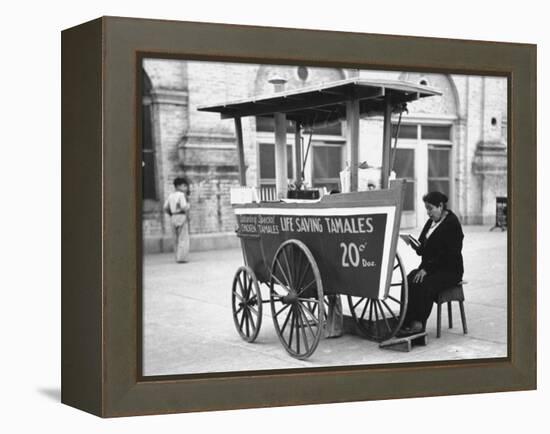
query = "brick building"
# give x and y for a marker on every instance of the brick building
(456, 143)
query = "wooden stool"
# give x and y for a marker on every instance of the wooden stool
(454, 293)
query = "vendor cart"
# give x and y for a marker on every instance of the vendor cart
(306, 251)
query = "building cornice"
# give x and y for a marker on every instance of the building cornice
(490, 158)
(167, 96)
(207, 140)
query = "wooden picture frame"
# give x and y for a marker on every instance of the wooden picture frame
(101, 249)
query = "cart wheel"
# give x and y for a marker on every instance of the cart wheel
(296, 296)
(380, 319)
(246, 304)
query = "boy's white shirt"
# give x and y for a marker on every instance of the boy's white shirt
(176, 202)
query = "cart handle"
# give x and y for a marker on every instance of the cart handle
(241, 235)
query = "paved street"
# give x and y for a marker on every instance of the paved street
(188, 325)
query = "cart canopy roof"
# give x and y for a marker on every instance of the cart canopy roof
(326, 103)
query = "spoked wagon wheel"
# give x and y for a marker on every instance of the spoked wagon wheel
(246, 303)
(296, 296)
(380, 319)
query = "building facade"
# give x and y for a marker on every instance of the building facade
(455, 143)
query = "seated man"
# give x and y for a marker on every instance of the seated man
(440, 245)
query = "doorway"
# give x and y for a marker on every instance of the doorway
(424, 159)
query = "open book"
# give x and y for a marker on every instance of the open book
(410, 240)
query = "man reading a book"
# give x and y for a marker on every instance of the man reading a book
(440, 246)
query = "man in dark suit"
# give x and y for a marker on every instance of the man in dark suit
(442, 265)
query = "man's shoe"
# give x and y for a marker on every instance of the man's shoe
(413, 329)
(416, 327)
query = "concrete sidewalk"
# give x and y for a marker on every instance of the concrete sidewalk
(188, 325)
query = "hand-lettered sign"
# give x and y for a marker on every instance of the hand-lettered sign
(351, 245)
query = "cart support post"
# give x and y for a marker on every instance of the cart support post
(386, 144)
(240, 150)
(281, 171)
(352, 121)
(297, 156)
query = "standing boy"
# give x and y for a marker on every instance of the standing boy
(177, 207)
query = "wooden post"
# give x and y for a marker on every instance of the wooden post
(281, 171)
(352, 121)
(386, 142)
(240, 150)
(297, 156)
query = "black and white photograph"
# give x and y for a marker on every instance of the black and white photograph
(298, 216)
(230, 217)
